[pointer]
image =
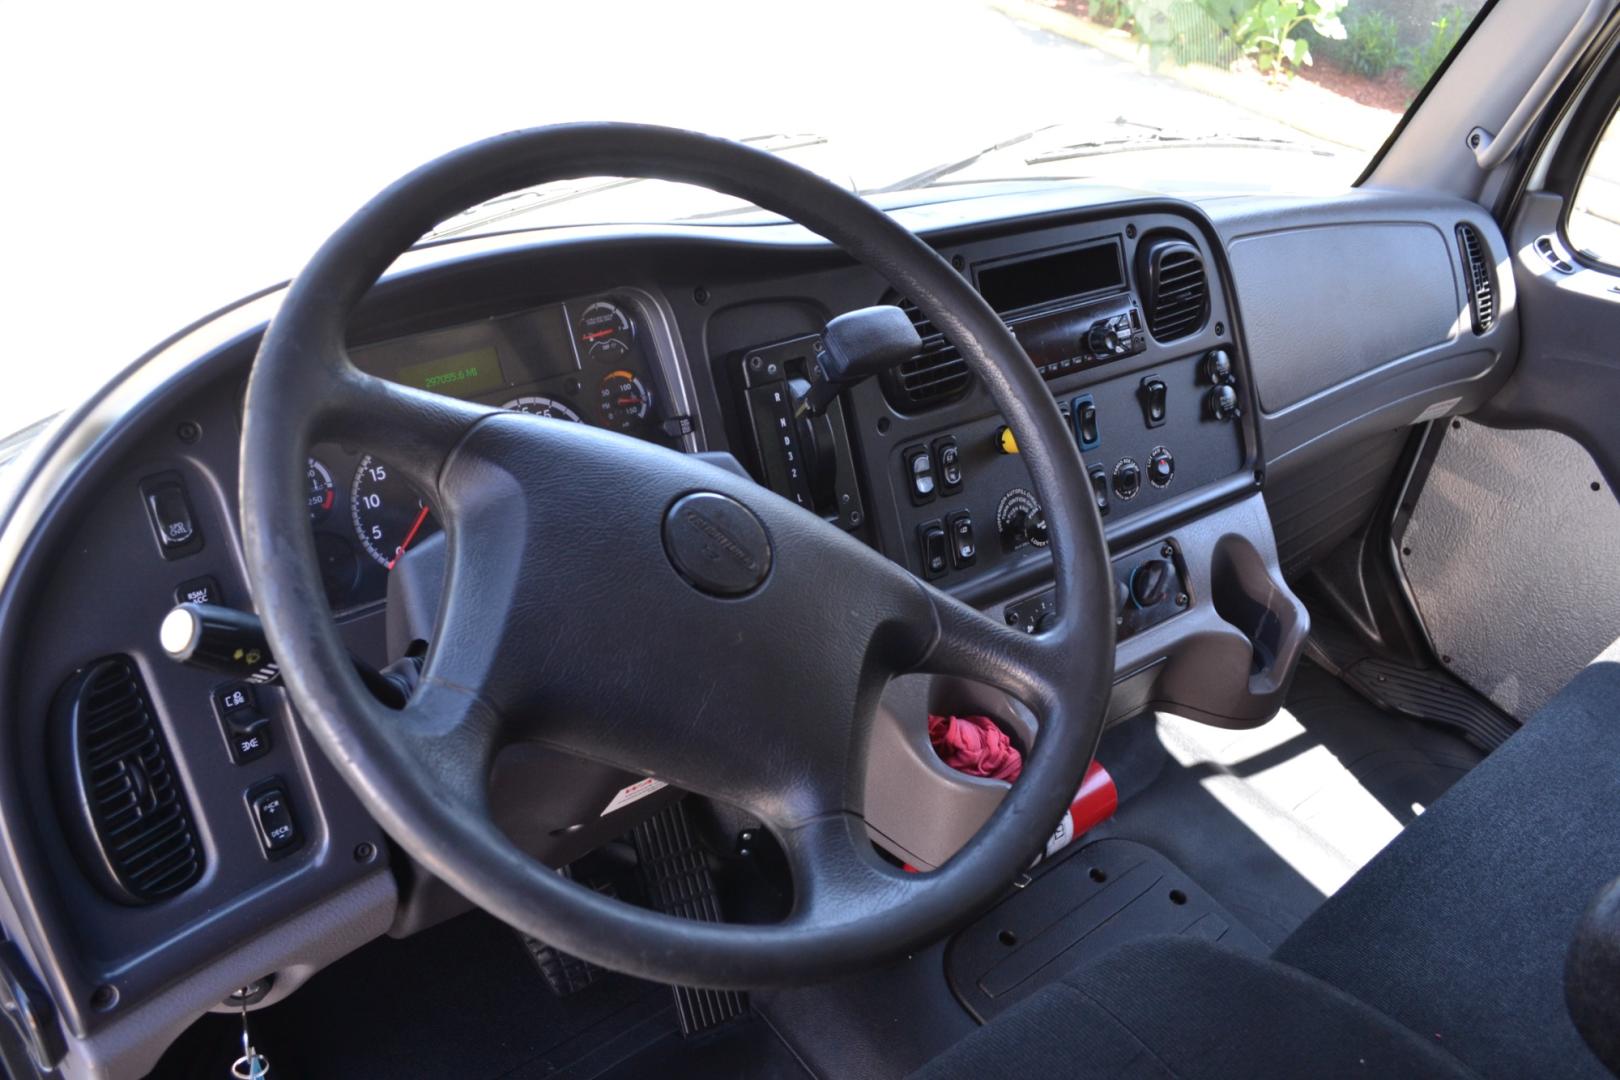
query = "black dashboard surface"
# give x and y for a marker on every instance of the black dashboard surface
(653, 333)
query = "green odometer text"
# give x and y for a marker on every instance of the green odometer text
(464, 374)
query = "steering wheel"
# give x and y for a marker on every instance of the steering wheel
(752, 641)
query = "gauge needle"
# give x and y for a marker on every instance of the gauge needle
(415, 525)
(598, 334)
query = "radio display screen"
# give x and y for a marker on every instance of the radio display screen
(1012, 286)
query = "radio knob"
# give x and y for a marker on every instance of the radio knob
(1103, 339)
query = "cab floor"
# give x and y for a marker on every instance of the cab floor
(1274, 819)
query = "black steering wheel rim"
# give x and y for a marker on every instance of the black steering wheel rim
(421, 772)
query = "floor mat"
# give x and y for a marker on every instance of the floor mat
(464, 1000)
(1272, 820)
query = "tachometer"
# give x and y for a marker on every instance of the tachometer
(321, 494)
(388, 514)
(540, 405)
(625, 400)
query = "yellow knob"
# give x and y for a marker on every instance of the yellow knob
(1005, 442)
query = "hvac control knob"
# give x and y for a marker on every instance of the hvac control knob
(1149, 582)
(1223, 402)
(1020, 521)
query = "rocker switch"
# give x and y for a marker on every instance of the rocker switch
(1153, 394)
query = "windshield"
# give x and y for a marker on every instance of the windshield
(166, 159)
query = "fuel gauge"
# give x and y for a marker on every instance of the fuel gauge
(321, 494)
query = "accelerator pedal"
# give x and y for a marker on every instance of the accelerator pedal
(678, 882)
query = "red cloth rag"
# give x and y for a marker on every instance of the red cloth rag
(976, 746)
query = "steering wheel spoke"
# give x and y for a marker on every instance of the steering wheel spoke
(973, 646)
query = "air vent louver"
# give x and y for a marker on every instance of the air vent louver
(1476, 266)
(934, 376)
(126, 810)
(1175, 289)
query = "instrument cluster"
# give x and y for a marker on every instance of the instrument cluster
(588, 361)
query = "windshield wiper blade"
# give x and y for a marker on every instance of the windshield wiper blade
(1166, 141)
(560, 191)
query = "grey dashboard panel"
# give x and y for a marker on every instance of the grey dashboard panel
(1341, 300)
(1356, 319)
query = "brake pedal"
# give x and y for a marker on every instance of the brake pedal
(564, 972)
(678, 882)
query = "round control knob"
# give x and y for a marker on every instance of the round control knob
(1223, 402)
(1218, 366)
(1161, 467)
(1020, 521)
(1047, 620)
(1127, 478)
(1103, 339)
(1149, 582)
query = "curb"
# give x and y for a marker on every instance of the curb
(1333, 119)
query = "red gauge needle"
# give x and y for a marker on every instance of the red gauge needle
(415, 525)
(598, 334)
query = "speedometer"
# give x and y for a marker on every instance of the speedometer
(388, 514)
(539, 405)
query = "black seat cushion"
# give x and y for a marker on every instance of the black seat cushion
(1183, 1007)
(1458, 930)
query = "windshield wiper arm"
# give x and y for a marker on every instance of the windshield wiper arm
(939, 172)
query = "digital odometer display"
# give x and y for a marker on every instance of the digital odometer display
(466, 374)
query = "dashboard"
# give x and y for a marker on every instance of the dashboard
(1234, 426)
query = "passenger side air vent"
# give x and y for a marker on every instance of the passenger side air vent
(1175, 290)
(935, 376)
(122, 801)
(1476, 267)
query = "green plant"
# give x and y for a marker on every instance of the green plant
(1265, 30)
(1113, 12)
(1444, 33)
(1372, 43)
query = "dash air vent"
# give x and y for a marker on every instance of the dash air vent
(1476, 267)
(1175, 289)
(123, 803)
(935, 376)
